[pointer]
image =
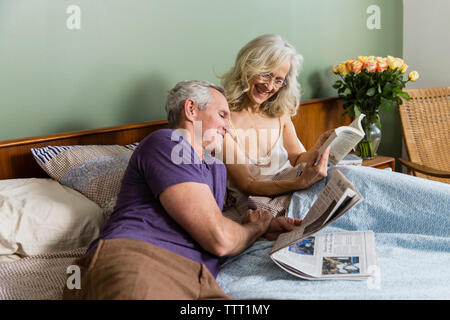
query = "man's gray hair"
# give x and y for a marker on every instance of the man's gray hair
(183, 90)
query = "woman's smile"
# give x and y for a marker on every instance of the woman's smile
(261, 91)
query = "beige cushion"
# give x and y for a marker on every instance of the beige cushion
(41, 216)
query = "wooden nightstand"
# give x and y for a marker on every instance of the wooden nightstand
(380, 162)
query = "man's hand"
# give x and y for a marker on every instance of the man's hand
(280, 225)
(275, 226)
(258, 216)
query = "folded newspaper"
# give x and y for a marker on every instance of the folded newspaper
(340, 255)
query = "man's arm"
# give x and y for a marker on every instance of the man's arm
(193, 207)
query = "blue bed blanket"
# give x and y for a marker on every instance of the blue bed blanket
(411, 220)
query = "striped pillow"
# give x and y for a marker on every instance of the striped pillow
(94, 170)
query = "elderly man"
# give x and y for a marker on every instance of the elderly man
(167, 232)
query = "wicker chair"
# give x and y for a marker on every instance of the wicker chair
(425, 123)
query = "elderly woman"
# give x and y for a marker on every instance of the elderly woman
(263, 94)
(407, 213)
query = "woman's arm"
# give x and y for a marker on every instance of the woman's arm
(239, 173)
(291, 143)
(292, 146)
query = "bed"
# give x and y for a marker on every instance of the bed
(45, 224)
(57, 190)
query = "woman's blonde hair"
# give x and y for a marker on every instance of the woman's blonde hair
(264, 54)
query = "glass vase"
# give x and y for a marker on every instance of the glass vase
(368, 146)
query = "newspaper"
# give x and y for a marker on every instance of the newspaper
(346, 255)
(339, 255)
(343, 140)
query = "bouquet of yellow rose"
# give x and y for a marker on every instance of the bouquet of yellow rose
(369, 83)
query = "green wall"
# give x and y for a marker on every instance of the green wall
(119, 66)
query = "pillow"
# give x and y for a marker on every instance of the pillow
(41, 216)
(94, 170)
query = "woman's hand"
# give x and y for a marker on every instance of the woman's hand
(280, 225)
(323, 137)
(309, 155)
(313, 173)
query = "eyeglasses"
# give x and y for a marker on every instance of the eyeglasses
(268, 77)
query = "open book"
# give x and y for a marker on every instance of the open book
(340, 255)
(343, 140)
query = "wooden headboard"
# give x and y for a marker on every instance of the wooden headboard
(316, 116)
(16, 161)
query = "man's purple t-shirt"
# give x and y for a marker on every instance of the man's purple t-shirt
(153, 167)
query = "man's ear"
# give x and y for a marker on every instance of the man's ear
(190, 109)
